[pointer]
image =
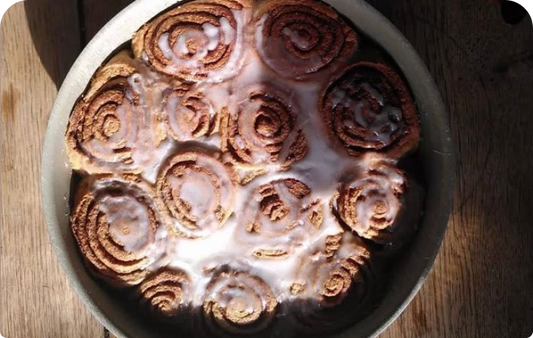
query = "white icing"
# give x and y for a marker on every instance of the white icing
(379, 125)
(206, 40)
(128, 220)
(197, 192)
(212, 34)
(300, 42)
(379, 183)
(229, 32)
(321, 169)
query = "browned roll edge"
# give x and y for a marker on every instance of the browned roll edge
(326, 47)
(403, 141)
(105, 258)
(192, 14)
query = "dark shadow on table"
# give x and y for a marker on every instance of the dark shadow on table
(483, 67)
(60, 29)
(55, 32)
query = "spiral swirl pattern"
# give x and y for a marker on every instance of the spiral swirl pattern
(190, 116)
(262, 129)
(370, 109)
(115, 223)
(303, 38)
(105, 122)
(370, 204)
(238, 303)
(197, 190)
(278, 217)
(164, 295)
(333, 282)
(201, 40)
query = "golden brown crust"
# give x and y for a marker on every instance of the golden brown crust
(102, 250)
(212, 178)
(369, 108)
(303, 39)
(262, 129)
(164, 295)
(238, 303)
(189, 18)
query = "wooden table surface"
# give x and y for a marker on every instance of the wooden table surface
(482, 282)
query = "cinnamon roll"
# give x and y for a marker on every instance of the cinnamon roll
(118, 228)
(197, 191)
(116, 126)
(369, 108)
(260, 128)
(371, 202)
(165, 296)
(241, 169)
(278, 217)
(190, 115)
(334, 287)
(237, 303)
(200, 40)
(302, 39)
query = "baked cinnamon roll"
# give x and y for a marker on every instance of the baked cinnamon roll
(369, 108)
(197, 191)
(302, 39)
(278, 217)
(237, 303)
(373, 203)
(118, 228)
(200, 40)
(191, 115)
(165, 296)
(333, 286)
(260, 128)
(109, 122)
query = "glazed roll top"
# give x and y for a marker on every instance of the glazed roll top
(200, 40)
(118, 228)
(372, 203)
(238, 303)
(115, 127)
(197, 190)
(329, 292)
(261, 128)
(104, 124)
(300, 39)
(278, 218)
(191, 115)
(369, 108)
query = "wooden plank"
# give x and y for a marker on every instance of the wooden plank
(35, 298)
(481, 284)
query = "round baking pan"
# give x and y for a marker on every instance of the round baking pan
(435, 153)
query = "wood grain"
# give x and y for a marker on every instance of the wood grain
(35, 299)
(481, 285)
